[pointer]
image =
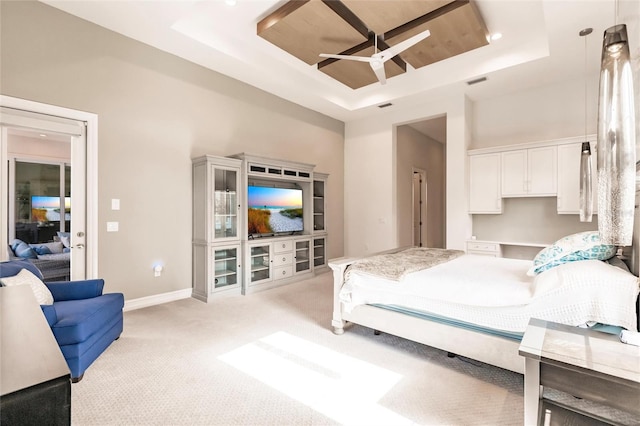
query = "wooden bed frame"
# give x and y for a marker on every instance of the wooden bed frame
(495, 350)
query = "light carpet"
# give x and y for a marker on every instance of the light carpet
(270, 358)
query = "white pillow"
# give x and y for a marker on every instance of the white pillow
(26, 277)
(582, 272)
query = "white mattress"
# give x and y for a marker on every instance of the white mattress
(497, 293)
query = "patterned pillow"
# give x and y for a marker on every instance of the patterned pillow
(580, 246)
(26, 277)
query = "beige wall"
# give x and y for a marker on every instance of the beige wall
(371, 207)
(415, 150)
(156, 112)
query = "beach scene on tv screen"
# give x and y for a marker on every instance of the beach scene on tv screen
(47, 209)
(274, 210)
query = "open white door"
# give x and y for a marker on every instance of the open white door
(25, 123)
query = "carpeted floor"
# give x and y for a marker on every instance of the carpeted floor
(270, 358)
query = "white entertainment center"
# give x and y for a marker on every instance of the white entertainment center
(230, 256)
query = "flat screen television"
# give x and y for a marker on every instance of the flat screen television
(47, 209)
(274, 210)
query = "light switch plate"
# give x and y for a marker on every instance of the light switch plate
(112, 226)
(115, 204)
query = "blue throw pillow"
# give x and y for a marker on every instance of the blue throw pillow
(41, 249)
(24, 251)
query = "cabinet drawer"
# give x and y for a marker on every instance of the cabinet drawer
(282, 259)
(282, 246)
(482, 246)
(282, 272)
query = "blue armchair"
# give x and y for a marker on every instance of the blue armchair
(83, 320)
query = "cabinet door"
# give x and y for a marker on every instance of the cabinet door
(542, 171)
(226, 267)
(318, 205)
(514, 173)
(260, 262)
(484, 184)
(226, 182)
(569, 178)
(301, 256)
(319, 252)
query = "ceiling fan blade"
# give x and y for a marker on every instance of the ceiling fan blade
(347, 57)
(378, 69)
(389, 53)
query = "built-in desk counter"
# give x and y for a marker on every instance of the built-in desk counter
(512, 249)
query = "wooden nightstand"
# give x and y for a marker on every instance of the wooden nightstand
(587, 364)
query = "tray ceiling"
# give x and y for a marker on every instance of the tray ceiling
(306, 28)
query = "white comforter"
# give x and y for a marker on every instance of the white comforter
(497, 293)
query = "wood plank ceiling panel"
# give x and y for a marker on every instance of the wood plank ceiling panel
(384, 15)
(359, 74)
(457, 32)
(307, 28)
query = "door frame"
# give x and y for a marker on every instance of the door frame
(423, 206)
(91, 167)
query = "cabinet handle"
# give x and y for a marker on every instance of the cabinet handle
(284, 259)
(284, 272)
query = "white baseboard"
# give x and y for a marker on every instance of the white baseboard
(156, 299)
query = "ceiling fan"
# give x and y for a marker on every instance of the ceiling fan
(377, 60)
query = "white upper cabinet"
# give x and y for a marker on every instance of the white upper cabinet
(530, 172)
(484, 184)
(569, 178)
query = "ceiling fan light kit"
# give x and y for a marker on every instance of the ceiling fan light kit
(333, 33)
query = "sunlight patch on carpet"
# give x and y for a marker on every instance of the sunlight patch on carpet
(343, 388)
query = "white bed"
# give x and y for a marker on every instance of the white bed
(442, 307)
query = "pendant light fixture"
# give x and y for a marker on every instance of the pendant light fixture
(586, 189)
(616, 140)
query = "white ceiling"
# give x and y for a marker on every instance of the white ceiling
(540, 45)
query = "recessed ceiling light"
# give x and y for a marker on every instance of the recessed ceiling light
(496, 36)
(42, 135)
(230, 2)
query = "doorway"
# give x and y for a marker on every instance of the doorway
(49, 196)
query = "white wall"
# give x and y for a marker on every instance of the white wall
(156, 112)
(543, 113)
(370, 175)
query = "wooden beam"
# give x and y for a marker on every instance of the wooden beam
(425, 18)
(349, 17)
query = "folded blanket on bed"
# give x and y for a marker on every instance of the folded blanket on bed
(395, 266)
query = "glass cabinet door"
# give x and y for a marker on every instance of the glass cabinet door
(302, 255)
(260, 263)
(318, 205)
(319, 257)
(225, 200)
(226, 267)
